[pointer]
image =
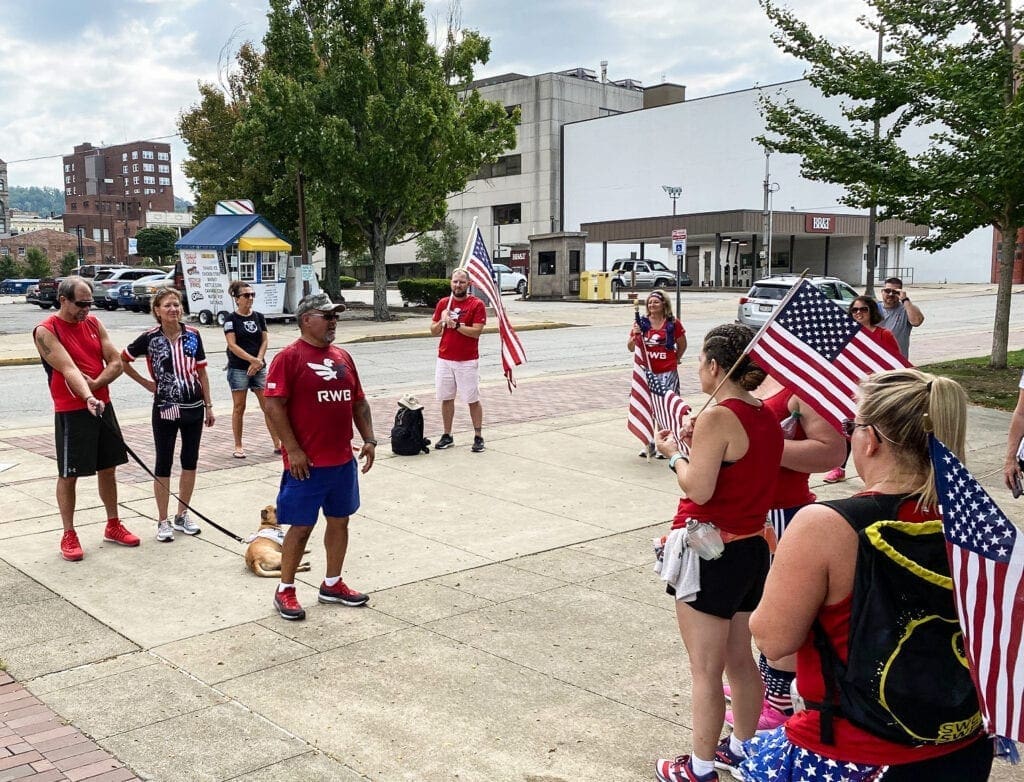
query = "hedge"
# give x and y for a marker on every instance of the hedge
(424, 291)
(347, 282)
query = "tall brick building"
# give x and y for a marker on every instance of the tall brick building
(109, 190)
(5, 204)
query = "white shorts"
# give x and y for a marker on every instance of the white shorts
(461, 376)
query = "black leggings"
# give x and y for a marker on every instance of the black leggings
(969, 764)
(165, 434)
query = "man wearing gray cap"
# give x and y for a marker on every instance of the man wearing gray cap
(313, 397)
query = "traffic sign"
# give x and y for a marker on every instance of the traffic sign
(679, 241)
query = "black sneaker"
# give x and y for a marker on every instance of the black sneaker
(478, 444)
(444, 441)
(341, 593)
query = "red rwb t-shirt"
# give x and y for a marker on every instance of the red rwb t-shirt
(320, 386)
(455, 346)
(82, 342)
(662, 359)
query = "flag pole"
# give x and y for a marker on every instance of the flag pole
(757, 336)
(462, 261)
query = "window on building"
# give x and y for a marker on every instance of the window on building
(148, 167)
(124, 156)
(148, 180)
(67, 191)
(124, 169)
(165, 180)
(510, 110)
(85, 205)
(147, 154)
(508, 165)
(67, 180)
(163, 169)
(247, 268)
(5, 250)
(268, 267)
(506, 214)
(135, 154)
(574, 261)
(546, 262)
(67, 167)
(135, 168)
(135, 180)
(90, 251)
(21, 251)
(163, 156)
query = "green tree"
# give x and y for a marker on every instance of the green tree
(353, 94)
(438, 251)
(954, 71)
(156, 243)
(44, 201)
(37, 264)
(68, 262)
(10, 268)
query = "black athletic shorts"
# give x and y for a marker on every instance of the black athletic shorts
(733, 583)
(86, 445)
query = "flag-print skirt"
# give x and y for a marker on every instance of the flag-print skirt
(771, 758)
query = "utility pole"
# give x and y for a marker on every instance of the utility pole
(301, 194)
(872, 254)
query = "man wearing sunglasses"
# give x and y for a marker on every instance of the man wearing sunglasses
(81, 362)
(899, 314)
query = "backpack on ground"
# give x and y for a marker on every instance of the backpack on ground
(906, 678)
(407, 434)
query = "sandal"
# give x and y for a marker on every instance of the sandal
(239, 454)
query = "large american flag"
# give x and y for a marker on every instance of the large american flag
(811, 345)
(987, 564)
(652, 404)
(481, 276)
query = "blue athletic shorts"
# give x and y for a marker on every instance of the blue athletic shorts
(334, 490)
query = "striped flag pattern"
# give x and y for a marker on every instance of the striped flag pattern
(987, 565)
(811, 345)
(652, 404)
(481, 276)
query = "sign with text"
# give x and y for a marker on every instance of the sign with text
(819, 224)
(679, 241)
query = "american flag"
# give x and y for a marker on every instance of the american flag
(811, 345)
(481, 276)
(987, 565)
(652, 404)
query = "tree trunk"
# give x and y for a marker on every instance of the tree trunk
(332, 269)
(380, 274)
(1001, 325)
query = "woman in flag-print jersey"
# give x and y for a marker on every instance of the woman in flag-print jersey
(181, 404)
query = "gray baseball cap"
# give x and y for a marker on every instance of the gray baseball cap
(317, 302)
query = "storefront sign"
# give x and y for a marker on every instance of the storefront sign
(819, 224)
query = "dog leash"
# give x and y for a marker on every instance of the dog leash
(142, 464)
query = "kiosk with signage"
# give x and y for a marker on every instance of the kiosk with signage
(236, 244)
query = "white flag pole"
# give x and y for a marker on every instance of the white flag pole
(465, 257)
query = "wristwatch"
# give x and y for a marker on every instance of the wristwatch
(370, 442)
(904, 300)
(673, 459)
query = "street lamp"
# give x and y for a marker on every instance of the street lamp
(81, 257)
(674, 193)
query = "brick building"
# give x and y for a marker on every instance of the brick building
(109, 190)
(5, 205)
(54, 243)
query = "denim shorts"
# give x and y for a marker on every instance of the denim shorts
(239, 380)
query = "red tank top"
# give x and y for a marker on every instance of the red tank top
(792, 489)
(745, 488)
(851, 743)
(82, 342)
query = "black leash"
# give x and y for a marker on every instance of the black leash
(142, 464)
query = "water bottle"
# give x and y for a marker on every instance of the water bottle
(703, 537)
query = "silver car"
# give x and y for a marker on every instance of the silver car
(764, 296)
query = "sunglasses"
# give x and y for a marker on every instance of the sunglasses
(328, 316)
(891, 291)
(860, 309)
(246, 296)
(85, 303)
(849, 426)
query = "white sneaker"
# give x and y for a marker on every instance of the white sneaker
(183, 523)
(164, 533)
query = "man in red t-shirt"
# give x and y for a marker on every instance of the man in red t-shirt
(313, 397)
(82, 362)
(459, 319)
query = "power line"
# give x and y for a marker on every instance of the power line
(61, 155)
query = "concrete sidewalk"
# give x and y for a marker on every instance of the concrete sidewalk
(515, 630)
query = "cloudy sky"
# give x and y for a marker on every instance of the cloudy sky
(110, 71)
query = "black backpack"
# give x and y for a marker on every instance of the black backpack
(906, 678)
(407, 434)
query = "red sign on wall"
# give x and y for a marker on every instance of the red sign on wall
(819, 224)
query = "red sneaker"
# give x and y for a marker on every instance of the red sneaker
(116, 533)
(680, 770)
(340, 593)
(70, 548)
(287, 604)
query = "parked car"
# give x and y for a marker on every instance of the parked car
(90, 270)
(107, 281)
(46, 294)
(764, 296)
(644, 273)
(511, 280)
(143, 290)
(17, 287)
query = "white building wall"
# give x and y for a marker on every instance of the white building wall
(615, 168)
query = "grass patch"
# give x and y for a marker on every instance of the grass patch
(986, 387)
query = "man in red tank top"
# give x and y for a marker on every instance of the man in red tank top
(75, 346)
